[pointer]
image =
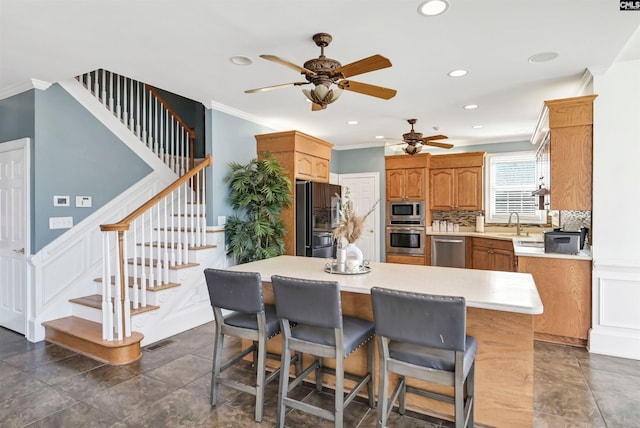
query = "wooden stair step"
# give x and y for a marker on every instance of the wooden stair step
(148, 287)
(154, 263)
(174, 245)
(95, 301)
(85, 337)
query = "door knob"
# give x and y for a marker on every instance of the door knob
(20, 251)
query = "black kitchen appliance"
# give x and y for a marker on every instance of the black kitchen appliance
(317, 206)
(562, 242)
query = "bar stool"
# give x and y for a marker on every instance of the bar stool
(423, 336)
(241, 292)
(323, 332)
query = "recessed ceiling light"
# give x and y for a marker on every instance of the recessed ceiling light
(433, 7)
(543, 57)
(470, 106)
(458, 73)
(379, 137)
(352, 122)
(241, 60)
(477, 126)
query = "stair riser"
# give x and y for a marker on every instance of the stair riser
(92, 314)
(147, 252)
(153, 297)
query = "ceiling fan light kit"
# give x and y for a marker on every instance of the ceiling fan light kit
(324, 72)
(415, 141)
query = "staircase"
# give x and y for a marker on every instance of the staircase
(151, 285)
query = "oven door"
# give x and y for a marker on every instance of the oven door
(405, 240)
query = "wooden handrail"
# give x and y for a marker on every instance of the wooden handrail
(154, 91)
(124, 224)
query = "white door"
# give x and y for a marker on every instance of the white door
(14, 221)
(364, 189)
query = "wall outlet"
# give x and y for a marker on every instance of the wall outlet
(61, 201)
(60, 222)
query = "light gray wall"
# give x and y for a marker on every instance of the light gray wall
(230, 139)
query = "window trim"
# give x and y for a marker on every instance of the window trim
(490, 217)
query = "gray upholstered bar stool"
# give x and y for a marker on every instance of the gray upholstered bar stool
(322, 331)
(423, 336)
(241, 292)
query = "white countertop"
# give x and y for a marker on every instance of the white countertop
(519, 249)
(502, 291)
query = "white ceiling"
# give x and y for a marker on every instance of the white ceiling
(185, 47)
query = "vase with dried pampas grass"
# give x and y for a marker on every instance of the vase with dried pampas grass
(350, 224)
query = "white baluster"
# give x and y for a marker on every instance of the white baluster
(179, 228)
(138, 116)
(143, 273)
(150, 120)
(159, 277)
(131, 112)
(172, 163)
(135, 266)
(116, 296)
(152, 283)
(107, 305)
(165, 243)
(192, 234)
(185, 250)
(125, 106)
(111, 106)
(104, 87)
(156, 136)
(144, 115)
(118, 106)
(198, 228)
(204, 206)
(126, 318)
(173, 231)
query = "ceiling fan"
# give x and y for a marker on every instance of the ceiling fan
(415, 141)
(323, 72)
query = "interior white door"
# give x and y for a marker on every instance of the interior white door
(364, 191)
(14, 221)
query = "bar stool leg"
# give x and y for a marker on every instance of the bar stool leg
(403, 395)
(217, 362)
(285, 363)
(319, 374)
(260, 364)
(371, 369)
(339, 396)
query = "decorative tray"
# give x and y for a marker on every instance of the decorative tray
(334, 267)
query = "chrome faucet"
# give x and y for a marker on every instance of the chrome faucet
(518, 227)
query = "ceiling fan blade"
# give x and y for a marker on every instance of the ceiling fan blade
(316, 107)
(289, 64)
(372, 63)
(367, 89)
(268, 88)
(434, 137)
(435, 144)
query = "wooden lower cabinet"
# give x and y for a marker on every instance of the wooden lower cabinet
(564, 286)
(492, 254)
(407, 260)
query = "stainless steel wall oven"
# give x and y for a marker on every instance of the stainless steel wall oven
(405, 240)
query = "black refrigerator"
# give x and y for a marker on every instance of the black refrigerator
(317, 206)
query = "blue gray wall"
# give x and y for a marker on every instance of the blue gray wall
(229, 139)
(72, 154)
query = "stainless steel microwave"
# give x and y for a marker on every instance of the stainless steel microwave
(408, 213)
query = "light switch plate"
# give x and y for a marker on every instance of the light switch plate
(83, 201)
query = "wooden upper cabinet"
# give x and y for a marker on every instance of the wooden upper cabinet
(442, 184)
(406, 177)
(312, 168)
(571, 152)
(456, 182)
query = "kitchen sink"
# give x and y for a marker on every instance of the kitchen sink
(534, 244)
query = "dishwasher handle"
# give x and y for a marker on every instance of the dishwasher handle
(448, 240)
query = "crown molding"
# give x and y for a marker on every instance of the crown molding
(243, 115)
(19, 88)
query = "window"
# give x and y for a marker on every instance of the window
(511, 177)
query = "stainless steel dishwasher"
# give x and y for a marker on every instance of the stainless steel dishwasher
(448, 251)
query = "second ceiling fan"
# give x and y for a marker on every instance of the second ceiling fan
(415, 141)
(323, 72)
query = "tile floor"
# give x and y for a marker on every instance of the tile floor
(43, 385)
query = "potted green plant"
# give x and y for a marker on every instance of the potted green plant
(260, 190)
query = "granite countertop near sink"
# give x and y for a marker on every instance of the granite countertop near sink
(525, 245)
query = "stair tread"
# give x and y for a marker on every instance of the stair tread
(149, 288)
(95, 301)
(154, 263)
(174, 245)
(89, 331)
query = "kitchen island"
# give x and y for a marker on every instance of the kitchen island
(500, 311)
